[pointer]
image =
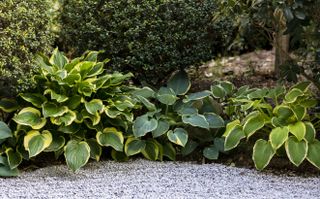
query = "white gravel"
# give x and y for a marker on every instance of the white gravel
(152, 180)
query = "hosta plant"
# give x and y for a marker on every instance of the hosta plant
(280, 121)
(76, 110)
(175, 118)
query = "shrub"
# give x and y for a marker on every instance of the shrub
(149, 38)
(24, 30)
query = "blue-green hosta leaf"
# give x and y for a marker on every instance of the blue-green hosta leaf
(66, 119)
(70, 129)
(111, 137)
(35, 142)
(162, 128)
(180, 83)
(145, 92)
(95, 149)
(34, 98)
(187, 111)
(179, 136)
(196, 96)
(147, 103)
(233, 138)
(218, 91)
(57, 143)
(211, 106)
(196, 120)
(262, 153)
(169, 151)
(166, 96)
(134, 146)
(299, 111)
(94, 106)
(58, 59)
(5, 131)
(50, 109)
(302, 86)
(211, 152)
(214, 120)
(55, 96)
(5, 170)
(292, 95)
(253, 124)
(151, 150)
(143, 124)
(313, 153)
(14, 158)
(278, 136)
(73, 102)
(30, 117)
(77, 154)
(297, 150)
(298, 129)
(230, 126)
(310, 132)
(189, 147)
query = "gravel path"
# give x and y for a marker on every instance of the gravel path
(146, 179)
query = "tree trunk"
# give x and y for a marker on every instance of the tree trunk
(281, 51)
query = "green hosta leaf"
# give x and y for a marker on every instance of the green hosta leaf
(169, 151)
(302, 86)
(58, 59)
(71, 129)
(179, 136)
(234, 137)
(14, 158)
(313, 153)
(50, 109)
(162, 128)
(166, 96)
(180, 83)
(196, 96)
(310, 132)
(292, 95)
(34, 98)
(298, 129)
(66, 119)
(55, 96)
(218, 91)
(262, 154)
(77, 154)
(35, 143)
(134, 146)
(230, 126)
(5, 170)
(299, 111)
(30, 117)
(95, 149)
(196, 120)
(118, 156)
(73, 102)
(144, 92)
(211, 152)
(151, 150)
(94, 106)
(253, 124)
(111, 137)
(214, 120)
(57, 143)
(297, 150)
(142, 125)
(278, 136)
(147, 103)
(189, 147)
(5, 131)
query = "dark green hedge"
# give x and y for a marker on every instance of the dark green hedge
(149, 38)
(24, 31)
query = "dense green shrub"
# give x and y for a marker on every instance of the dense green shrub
(149, 38)
(24, 30)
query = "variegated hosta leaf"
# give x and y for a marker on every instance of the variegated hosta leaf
(57, 143)
(196, 120)
(95, 119)
(253, 124)
(297, 150)
(292, 95)
(258, 93)
(55, 96)
(50, 109)
(262, 153)
(96, 70)
(169, 151)
(30, 117)
(77, 154)
(162, 128)
(118, 78)
(180, 83)
(84, 67)
(299, 111)
(58, 59)
(234, 137)
(310, 132)
(179, 136)
(35, 99)
(111, 137)
(134, 146)
(93, 56)
(143, 124)
(189, 147)
(66, 119)
(298, 129)
(5, 170)
(302, 86)
(86, 88)
(150, 106)
(278, 137)
(284, 115)
(14, 158)
(218, 91)
(123, 104)
(35, 142)
(230, 126)
(70, 129)
(95, 149)
(151, 150)
(73, 102)
(166, 96)
(94, 106)
(313, 153)
(5, 131)
(214, 120)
